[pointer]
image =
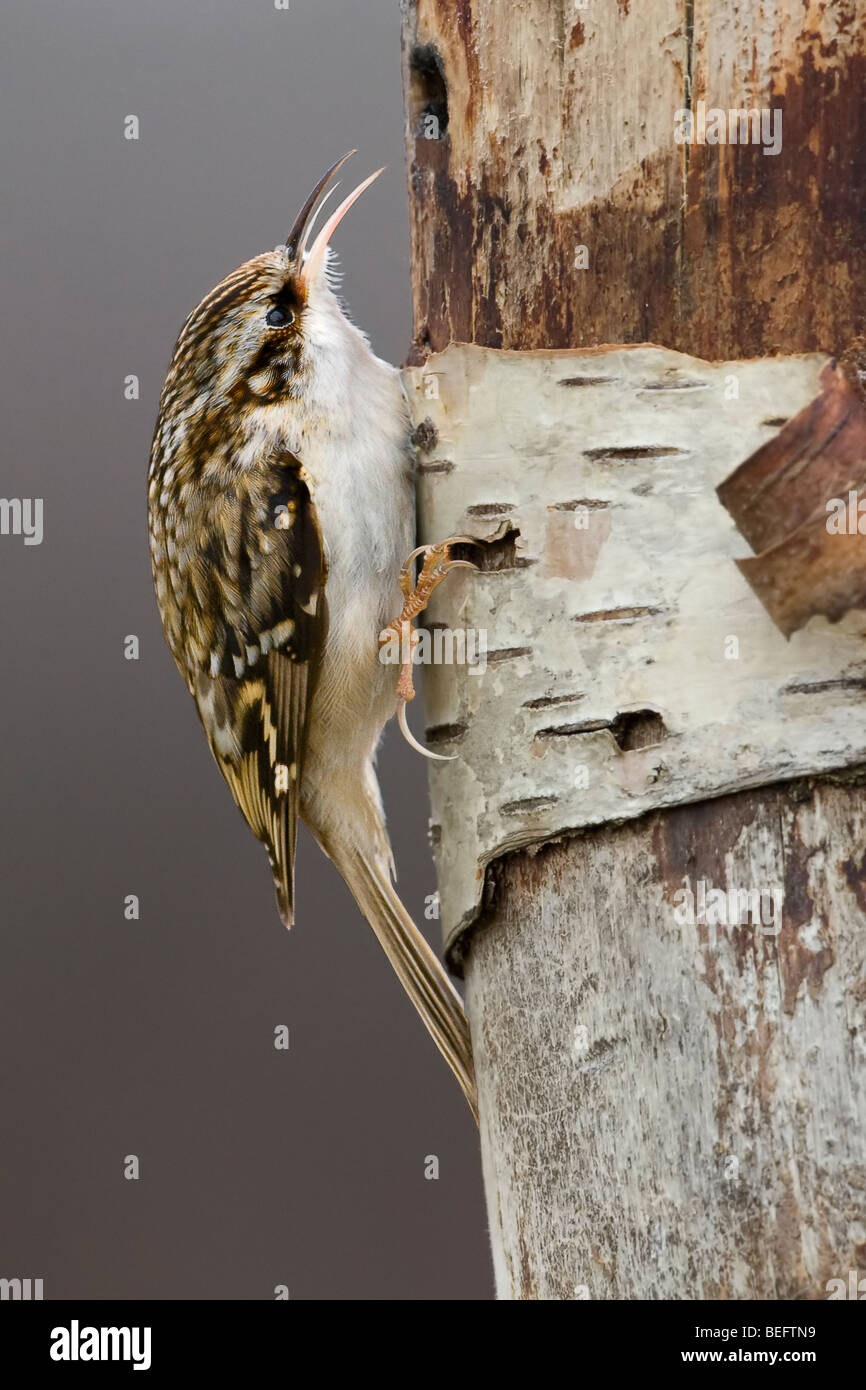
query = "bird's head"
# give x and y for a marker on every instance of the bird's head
(257, 337)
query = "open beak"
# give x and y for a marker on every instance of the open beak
(310, 261)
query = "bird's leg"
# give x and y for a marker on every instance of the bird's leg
(437, 564)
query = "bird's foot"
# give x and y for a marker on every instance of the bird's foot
(437, 565)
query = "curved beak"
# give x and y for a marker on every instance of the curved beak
(310, 261)
(297, 236)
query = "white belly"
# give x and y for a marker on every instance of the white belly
(356, 462)
(349, 429)
(364, 502)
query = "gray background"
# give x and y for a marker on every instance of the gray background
(155, 1037)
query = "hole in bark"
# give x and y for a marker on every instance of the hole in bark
(640, 729)
(428, 93)
(500, 554)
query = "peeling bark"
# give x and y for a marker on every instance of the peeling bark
(629, 666)
(781, 496)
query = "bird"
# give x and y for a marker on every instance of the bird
(281, 525)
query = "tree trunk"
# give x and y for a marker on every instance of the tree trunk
(668, 1109)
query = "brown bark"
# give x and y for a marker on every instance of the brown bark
(556, 127)
(779, 499)
(605, 1148)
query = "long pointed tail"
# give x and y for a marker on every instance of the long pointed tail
(418, 969)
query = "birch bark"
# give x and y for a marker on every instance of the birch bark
(668, 1110)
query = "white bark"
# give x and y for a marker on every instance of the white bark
(621, 618)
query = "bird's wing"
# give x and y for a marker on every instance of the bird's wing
(257, 585)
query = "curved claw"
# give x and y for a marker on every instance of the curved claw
(413, 742)
(441, 545)
(419, 550)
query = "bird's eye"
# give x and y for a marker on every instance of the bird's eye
(279, 318)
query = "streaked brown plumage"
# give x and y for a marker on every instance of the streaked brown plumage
(280, 506)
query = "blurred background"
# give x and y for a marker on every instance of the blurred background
(155, 1037)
